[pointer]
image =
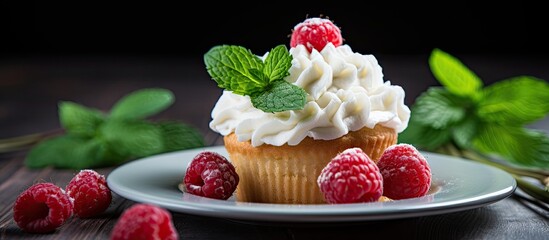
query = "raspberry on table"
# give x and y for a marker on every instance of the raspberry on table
(209, 174)
(406, 172)
(351, 177)
(144, 221)
(316, 33)
(42, 208)
(90, 193)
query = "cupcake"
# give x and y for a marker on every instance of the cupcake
(285, 114)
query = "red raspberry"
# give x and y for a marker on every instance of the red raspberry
(316, 33)
(406, 173)
(351, 177)
(42, 208)
(144, 221)
(90, 193)
(211, 175)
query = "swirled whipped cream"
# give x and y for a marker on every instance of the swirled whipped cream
(346, 92)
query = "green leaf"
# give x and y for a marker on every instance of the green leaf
(277, 63)
(282, 96)
(258, 74)
(439, 108)
(113, 155)
(79, 120)
(179, 136)
(66, 151)
(236, 69)
(94, 140)
(424, 136)
(465, 131)
(515, 144)
(142, 103)
(454, 75)
(133, 138)
(517, 100)
(230, 67)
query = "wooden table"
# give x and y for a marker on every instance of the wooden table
(30, 89)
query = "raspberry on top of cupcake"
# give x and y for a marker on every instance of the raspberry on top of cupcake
(315, 33)
(345, 91)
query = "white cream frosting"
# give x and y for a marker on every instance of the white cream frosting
(346, 92)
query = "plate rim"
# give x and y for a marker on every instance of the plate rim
(267, 212)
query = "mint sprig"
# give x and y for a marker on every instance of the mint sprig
(488, 119)
(94, 138)
(237, 69)
(465, 118)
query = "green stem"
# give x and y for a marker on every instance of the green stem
(474, 156)
(453, 150)
(25, 141)
(532, 190)
(527, 187)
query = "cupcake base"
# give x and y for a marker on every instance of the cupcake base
(288, 174)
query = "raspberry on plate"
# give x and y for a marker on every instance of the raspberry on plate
(351, 177)
(90, 193)
(406, 172)
(144, 221)
(209, 174)
(42, 208)
(316, 33)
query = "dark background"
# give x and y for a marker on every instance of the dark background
(95, 52)
(167, 29)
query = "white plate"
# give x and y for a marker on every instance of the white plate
(459, 185)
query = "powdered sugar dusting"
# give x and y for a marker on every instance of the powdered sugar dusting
(349, 177)
(312, 21)
(406, 172)
(82, 173)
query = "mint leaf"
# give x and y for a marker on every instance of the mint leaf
(79, 120)
(439, 108)
(66, 152)
(179, 136)
(517, 100)
(277, 63)
(516, 144)
(454, 75)
(94, 140)
(133, 138)
(113, 154)
(465, 131)
(236, 69)
(437, 118)
(423, 136)
(142, 103)
(230, 67)
(258, 74)
(282, 96)
(480, 123)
